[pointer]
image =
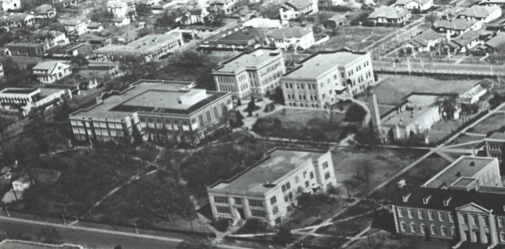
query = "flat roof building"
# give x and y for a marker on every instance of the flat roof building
(155, 110)
(268, 188)
(257, 72)
(20, 101)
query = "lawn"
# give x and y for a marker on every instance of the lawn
(382, 163)
(383, 240)
(416, 176)
(394, 88)
(355, 37)
(443, 129)
(490, 124)
(463, 138)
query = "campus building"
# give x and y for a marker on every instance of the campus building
(153, 110)
(256, 72)
(494, 145)
(23, 100)
(318, 80)
(269, 188)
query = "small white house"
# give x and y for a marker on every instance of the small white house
(21, 184)
(481, 13)
(414, 5)
(48, 72)
(291, 38)
(74, 26)
(293, 9)
(117, 8)
(10, 5)
(44, 11)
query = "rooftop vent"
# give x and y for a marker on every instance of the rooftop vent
(447, 201)
(269, 185)
(401, 183)
(472, 164)
(426, 199)
(458, 174)
(406, 197)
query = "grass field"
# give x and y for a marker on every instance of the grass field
(355, 37)
(463, 138)
(394, 87)
(443, 129)
(493, 123)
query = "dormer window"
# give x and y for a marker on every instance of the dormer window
(426, 199)
(406, 197)
(447, 201)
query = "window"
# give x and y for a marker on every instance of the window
(258, 213)
(275, 210)
(325, 165)
(238, 201)
(327, 175)
(400, 212)
(443, 231)
(297, 179)
(413, 228)
(420, 214)
(311, 175)
(423, 228)
(410, 213)
(402, 227)
(223, 210)
(433, 230)
(500, 222)
(502, 237)
(306, 184)
(283, 188)
(273, 200)
(255, 203)
(440, 216)
(218, 199)
(430, 215)
(453, 231)
(288, 185)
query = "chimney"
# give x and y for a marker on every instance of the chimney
(401, 183)
(472, 163)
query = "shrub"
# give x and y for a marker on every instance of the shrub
(355, 113)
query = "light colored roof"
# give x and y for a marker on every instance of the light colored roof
(48, 65)
(299, 4)
(116, 4)
(289, 32)
(416, 107)
(466, 38)
(262, 23)
(454, 24)
(251, 59)
(479, 11)
(498, 40)
(20, 244)
(427, 36)
(389, 12)
(405, 2)
(144, 44)
(271, 169)
(43, 9)
(320, 62)
(465, 166)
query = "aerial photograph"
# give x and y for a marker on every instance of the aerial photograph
(252, 124)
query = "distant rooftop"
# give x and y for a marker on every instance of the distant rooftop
(464, 167)
(250, 59)
(320, 62)
(416, 105)
(146, 44)
(18, 90)
(274, 167)
(497, 135)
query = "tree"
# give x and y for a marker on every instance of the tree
(251, 106)
(364, 172)
(355, 113)
(284, 236)
(79, 61)
(278, 96)
(431, 18)
(49, 235)
(167, 20)
(270, 10)
(101, 15)
(143, 9)
(254, 225)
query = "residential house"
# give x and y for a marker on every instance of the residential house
(96, 41)
(319, 80)
(117, 8)
(44, 11)
(256, 72)
(336, 21)
(233, 40)
(24, 100)
(74, 26)
(293, 9)
(21, 184)
(224, 6)
(496, 44)
(148, 48)
(95, 27)
(121, 21)
(30, 49)
(194, 16)
(101, 70)
(262, 23)
(464, 43)
(456, 27)
(154, 110)
(497, 3)
(18, 20)
(485, 14)
(10, 5)
(386, 15)
(48, 72)
(52, 38)
(291, 38)
(473, 95)
(269, 189)
(414, 5)
(69, 51)
(426, 41)
(65, 3)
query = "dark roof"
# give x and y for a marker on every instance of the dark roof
(455, 24)
(496, 41)
(426, 37)
(466, 38)
(388, 12)
(298, 4)
(18, 90)
(458, 198)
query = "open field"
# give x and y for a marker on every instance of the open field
(493, 123)
(355, 37)
(464, 138)
(393, 88)
(443, 129)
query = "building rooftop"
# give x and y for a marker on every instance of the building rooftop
(250, 59)
(388, 12)
(299, 4)
(466, 38)
(25, 44)
(426, 37)
(236, 36)
(454, 24)
(405, 2)
(478, 11)
(47, 65)
(322, 61)
(18, 90)
(144, 44)
(497, 41)
(497, 135)
(463, 167)
(289, 32)
(260, 177)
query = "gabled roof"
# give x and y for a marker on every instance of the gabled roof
(405, 2)
(388, 13)
(298, 4)
(466, 38)
(478, 11)
(43, 9)
(48, 65)
(498, 40)
(454, 24)
(426, 37)
(290, 32)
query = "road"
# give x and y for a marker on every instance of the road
(93, 237)
(438, 68)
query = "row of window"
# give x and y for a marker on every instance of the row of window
(422, 229)
(495, 146)
(358, 67)
(304, 105)
(301, 97)
(420, 214)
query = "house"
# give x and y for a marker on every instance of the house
(99, 70)
(10, 5)
(386, 15)
(414, 5)
(473, 95)
(74, 26)
(319, 80)
(117, 8)
(293, 9)
(96, 41)
(19, 20)
(95, 27)
(44, 11)
(52, 38)
(121, 21)
(154, 110)
(263, 23)
(257, 72)
(496, 43)
(233, 40)
(48, 72)
(335, 21)
(497, 3)
(225, 6)
(267, 189)
(148, 48)
(29, 49)
(426, 41)
(65, 3)
(456, 27)
(24, 100)
(291, 38)
(69, 51)
(21, 184)
(485, 14)
(465, 42)
(194, 16)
